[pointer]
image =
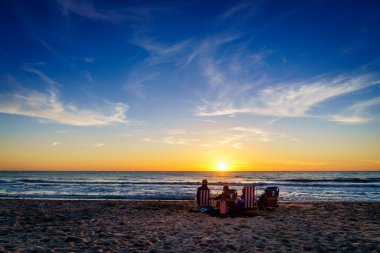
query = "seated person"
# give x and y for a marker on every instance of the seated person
(230, 194)
(204, 185)
(220, 196)
(203, 194)
(227, 194)
(229, 197)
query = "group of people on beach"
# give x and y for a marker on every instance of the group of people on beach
(228, 200)
(226, 193)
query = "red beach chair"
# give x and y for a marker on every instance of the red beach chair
(203, 197)
(269, 199)
(248, 197)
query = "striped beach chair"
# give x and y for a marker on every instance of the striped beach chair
(249, 197)
(203, 198)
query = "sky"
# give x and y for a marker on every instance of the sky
(189, 85)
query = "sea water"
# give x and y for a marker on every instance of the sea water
(294, 186)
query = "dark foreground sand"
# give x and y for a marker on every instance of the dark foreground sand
(112, 226)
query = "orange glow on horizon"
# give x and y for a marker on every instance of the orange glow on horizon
(128, 157)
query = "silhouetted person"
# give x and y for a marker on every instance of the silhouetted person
(203, 194)
(221, 196)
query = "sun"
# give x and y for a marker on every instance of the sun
(222, 167)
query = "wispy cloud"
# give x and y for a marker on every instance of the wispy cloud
(174, 137)
(214, 76)
(136, 83)
(111, 11)
(44, 77)
(178, 53)
(272, 121)
(178, 140)
(232, 69)
(182, 52)
(88, 76)
(47, 105)
(48, 47)
(176, 131)
(64, 131)
(94, 145)
(348, 119)
(158, 49)
(236, 145)
(262, 135)
(238, 83)
(282, 100)
(357, 113)
(237, 137)
(88, 10)
(56, 143)
(89, 59)
(234, 10)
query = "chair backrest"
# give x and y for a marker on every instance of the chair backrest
(203, 198)
(229, 194)
(249, 197)
(271, 195)
(223, 207)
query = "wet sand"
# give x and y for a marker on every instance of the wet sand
(126, 226)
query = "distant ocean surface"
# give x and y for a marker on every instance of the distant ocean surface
(294, 186)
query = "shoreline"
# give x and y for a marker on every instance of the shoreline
(174, 226)
(183, 200)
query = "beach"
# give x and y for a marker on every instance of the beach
(175, 226)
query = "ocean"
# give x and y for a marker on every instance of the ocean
(294, 186)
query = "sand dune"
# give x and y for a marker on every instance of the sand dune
(126, 226)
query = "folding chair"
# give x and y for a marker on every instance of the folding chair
(203, 198)
(249, 197)
(269, 199)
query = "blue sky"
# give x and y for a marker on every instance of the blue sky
(194, 73)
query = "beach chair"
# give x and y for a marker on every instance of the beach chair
(249, 197)
(269, 199)
(203, 197)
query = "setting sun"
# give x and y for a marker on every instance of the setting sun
(222, 167)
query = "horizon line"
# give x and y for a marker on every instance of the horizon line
(190, 171)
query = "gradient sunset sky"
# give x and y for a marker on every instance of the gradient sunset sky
(187, 85)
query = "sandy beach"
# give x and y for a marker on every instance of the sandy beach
(164, 226)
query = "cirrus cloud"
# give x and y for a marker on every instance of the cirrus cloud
(282, 100)
(47, 106)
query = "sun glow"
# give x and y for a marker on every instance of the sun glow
(222, 167)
